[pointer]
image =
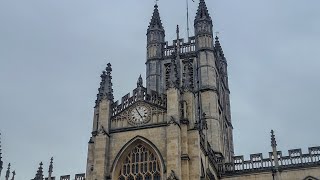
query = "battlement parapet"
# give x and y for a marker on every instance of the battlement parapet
(185, 47)
(294, 159)
(68, 177)
(139, 94)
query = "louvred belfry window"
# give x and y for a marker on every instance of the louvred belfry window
(140, 164)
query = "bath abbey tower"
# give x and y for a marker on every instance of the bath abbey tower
(177, 124)
(164, 129)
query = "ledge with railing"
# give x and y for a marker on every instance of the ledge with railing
(185, 47)
(294, 159)
(68, 177)
(139, 94)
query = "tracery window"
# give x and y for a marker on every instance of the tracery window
(140, 164)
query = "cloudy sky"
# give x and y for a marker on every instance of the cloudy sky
(52, 53)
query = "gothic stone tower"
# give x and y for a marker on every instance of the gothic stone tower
(179, 125)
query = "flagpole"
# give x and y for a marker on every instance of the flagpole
(188, 18)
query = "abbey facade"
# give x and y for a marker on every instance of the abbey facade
(177, 126)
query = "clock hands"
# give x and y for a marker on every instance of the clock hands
(139, 113)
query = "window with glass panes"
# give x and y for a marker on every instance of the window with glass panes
(140, 164)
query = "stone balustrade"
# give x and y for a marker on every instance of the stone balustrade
(139, 94)
(295, 158)
(185, 47)
(68, 177)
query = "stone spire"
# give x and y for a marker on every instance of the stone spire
(155, 51)
(155, 22)
(39, 175)
(178, 43)
(50, 169)
(178, 32)
(105, 89)
(140, 81)
(273, 140)
(173, 80)
(202, 13)
(8, 172)
(140, 94)
(1, 162)
(274, 149)
(218, 47)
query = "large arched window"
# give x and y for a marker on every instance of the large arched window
(310, 178)
(140, 164)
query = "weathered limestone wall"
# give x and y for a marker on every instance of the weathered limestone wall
(153, 75)
(100, 153)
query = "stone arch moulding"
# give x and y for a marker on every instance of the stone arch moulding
(310, 178)
(131, 144)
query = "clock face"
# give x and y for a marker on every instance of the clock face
(139, 115)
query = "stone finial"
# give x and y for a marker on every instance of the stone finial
(39, 175)
(155, 22)
(273, 139)
(218, 48)
(217, 42)
(275, 153)
(50, 169)
(105, 89)
(174, 68)
(177, 48)
(13, 175)
(177, 31)
(140, 81)
(109, 68)
(202, 12)
(8, 172)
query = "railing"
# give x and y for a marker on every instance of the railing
(295, 158)
(68, 177)
(138, 94)
(52, 178)
(188, 47)
(80, 176)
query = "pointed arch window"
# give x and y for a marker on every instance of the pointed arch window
(310, 178)
(140, 164)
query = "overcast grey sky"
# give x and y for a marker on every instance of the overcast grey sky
(52, 54)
